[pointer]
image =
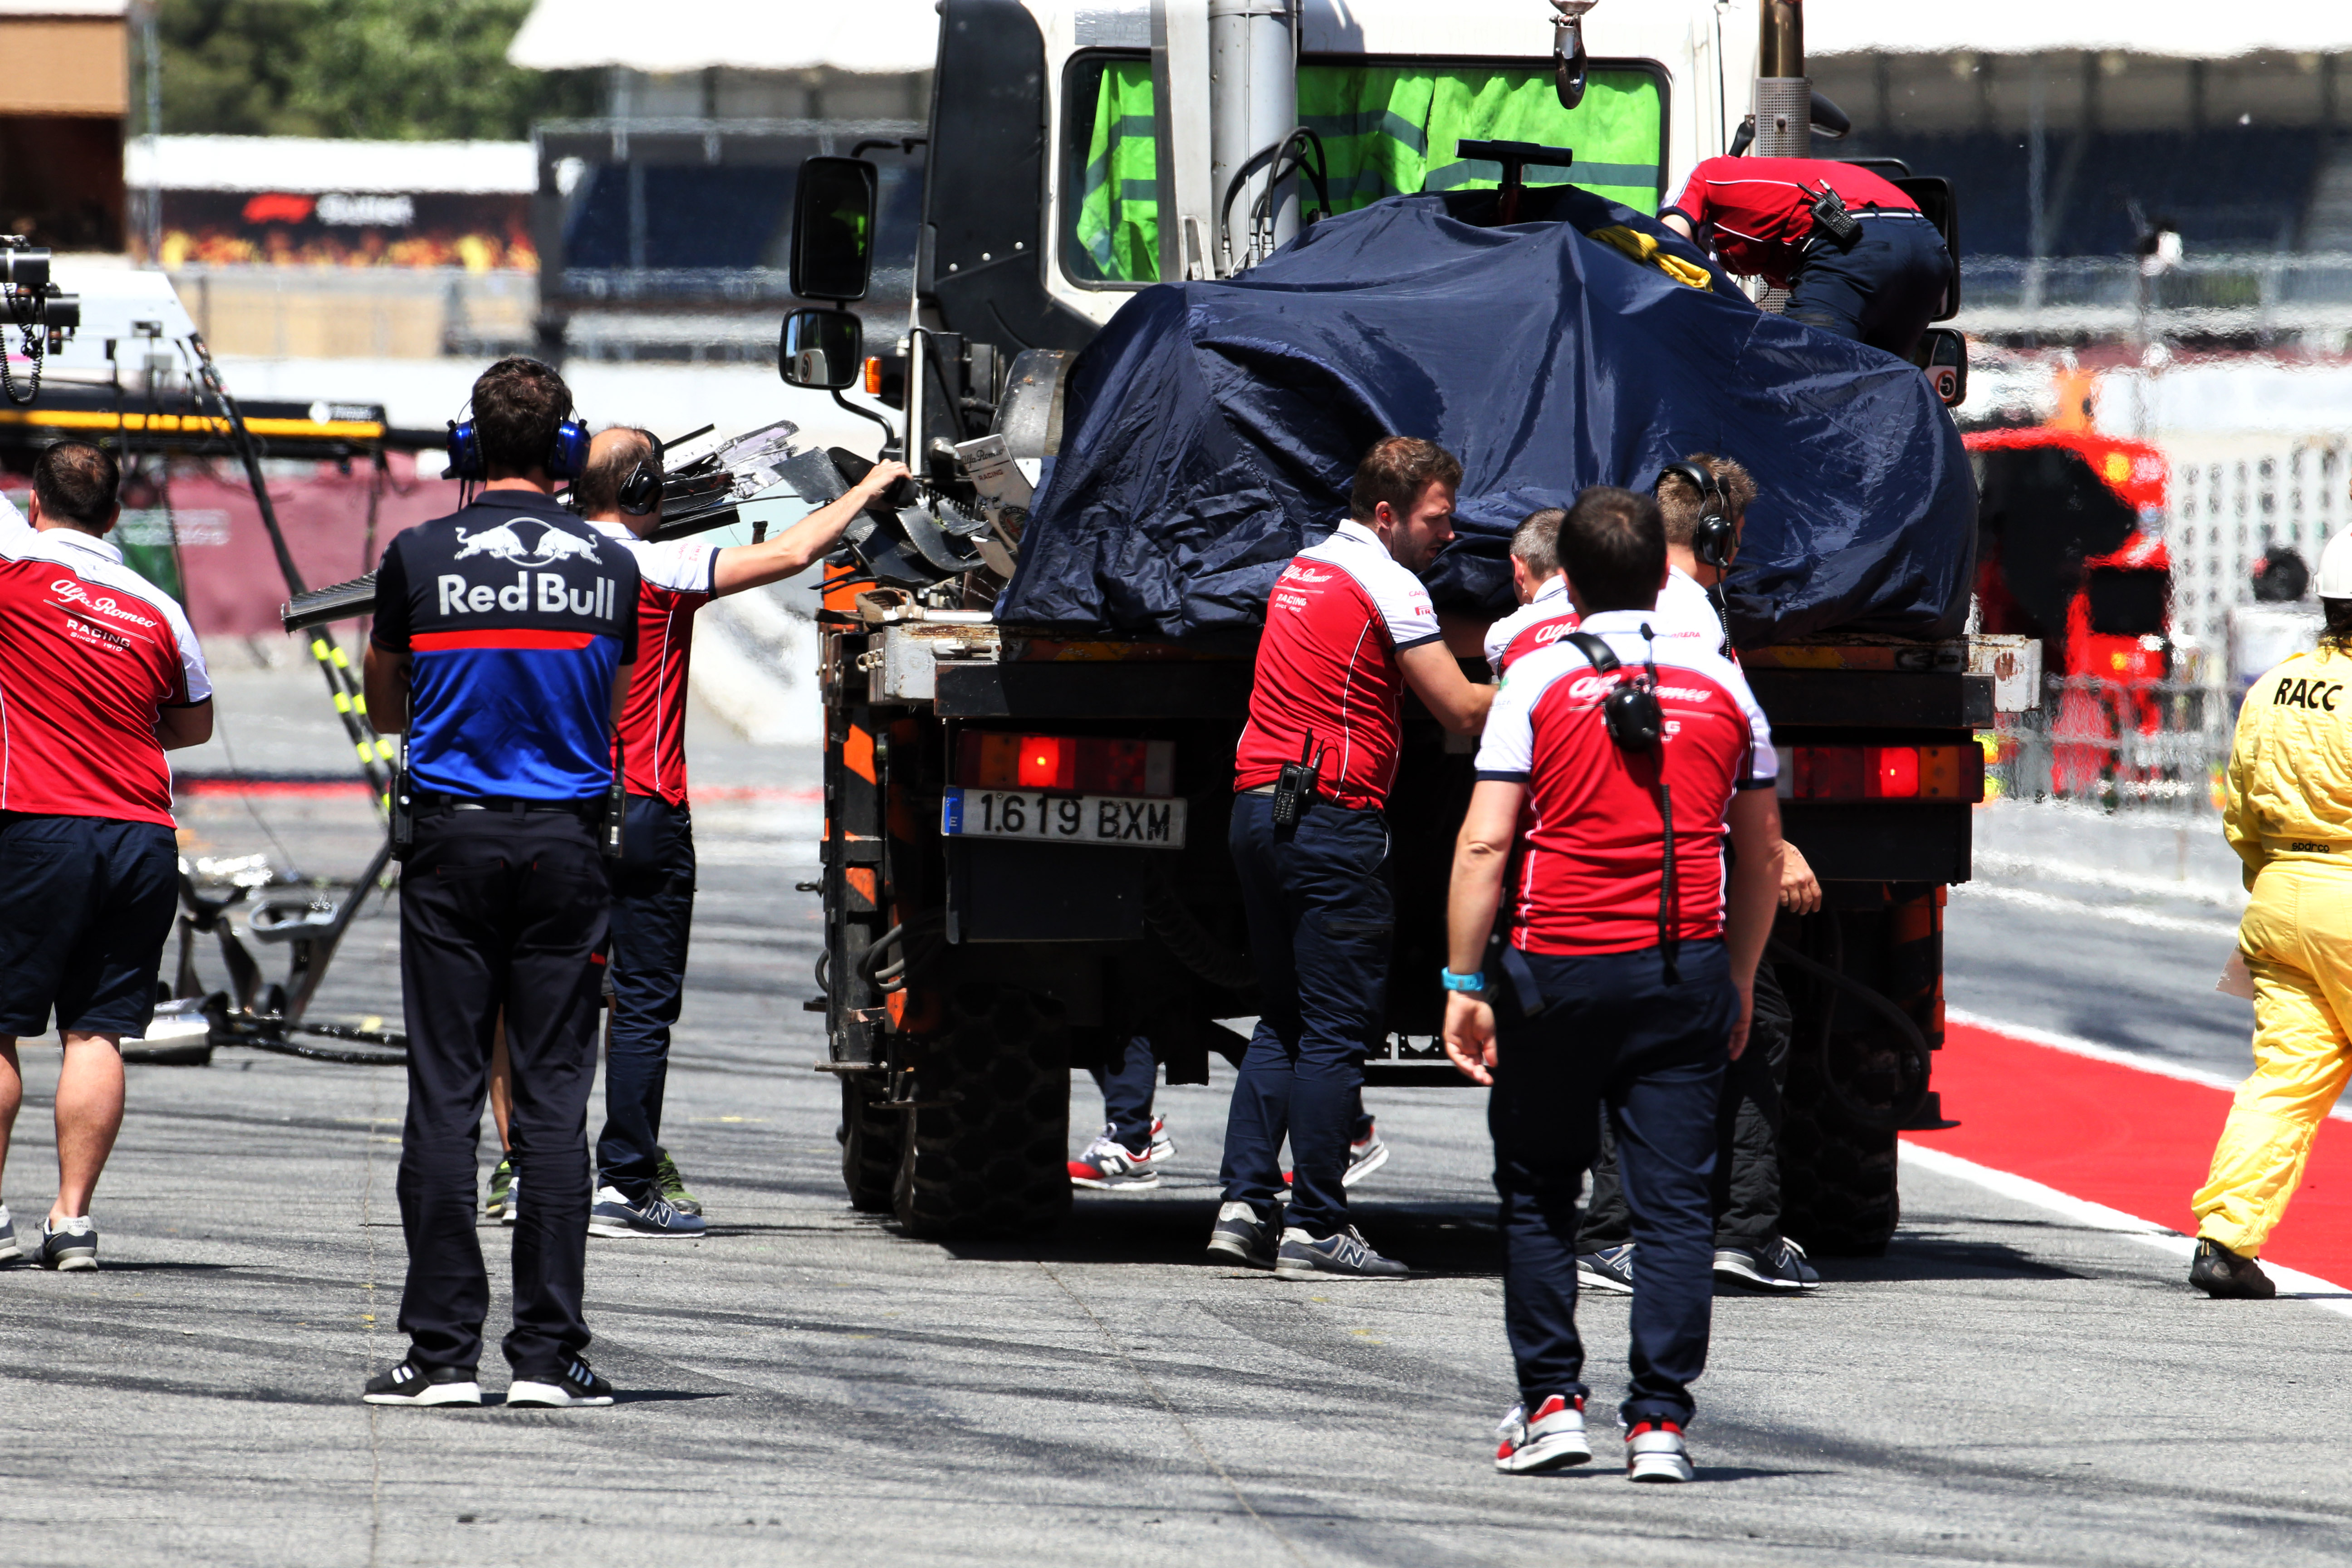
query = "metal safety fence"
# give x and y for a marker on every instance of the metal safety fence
(2142, 747)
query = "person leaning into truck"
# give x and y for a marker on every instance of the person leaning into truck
(1703, 503)
(1857, 256)
(2286, 806)
(1610, 773)
(1348, 626)
(101, 676)
(639, 1192)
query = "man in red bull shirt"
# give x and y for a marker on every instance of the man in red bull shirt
(1625, 978)
(100, 676)
(1349, 627)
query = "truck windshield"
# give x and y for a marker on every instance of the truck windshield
(1387, 131)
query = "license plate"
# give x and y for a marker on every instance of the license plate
(1040, 817)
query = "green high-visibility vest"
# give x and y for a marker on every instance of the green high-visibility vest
(1387, 131)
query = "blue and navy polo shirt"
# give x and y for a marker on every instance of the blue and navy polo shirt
(515, 616)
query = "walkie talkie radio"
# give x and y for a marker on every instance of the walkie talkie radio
(1295, 786)
(1830, 217)
(400, 807)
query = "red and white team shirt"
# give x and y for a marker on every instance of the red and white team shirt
(1592, 852)
(1759, 215)
(1327, 667)
(1685, 620)
(1537, 623)
(90, 652)
(674, 581)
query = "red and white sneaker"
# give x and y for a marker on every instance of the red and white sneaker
(1551, 1439)
(1109, 1166)
(1654, 1452)
(1365, 1155)
(1163, 1143)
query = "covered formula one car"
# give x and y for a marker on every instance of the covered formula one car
(1212, 429)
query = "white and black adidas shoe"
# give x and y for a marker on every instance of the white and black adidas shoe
(409, 1384)
(577, 1384)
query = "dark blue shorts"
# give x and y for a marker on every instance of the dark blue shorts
(86, 903)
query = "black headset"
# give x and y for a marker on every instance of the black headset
(1636, 724)
(641, 492)
(1713, 538)
(567, 455)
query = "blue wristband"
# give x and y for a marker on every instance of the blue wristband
(1452, 982)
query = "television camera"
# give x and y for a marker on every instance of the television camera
(45, 314)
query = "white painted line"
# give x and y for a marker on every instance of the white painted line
(2076, 1046)
(2292, 1283)
(2123, 914)
(2220, 894)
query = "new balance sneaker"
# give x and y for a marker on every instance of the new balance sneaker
(1609, 1269)
(1241, 1236)
(1108, 1165)
(1345, 1255)
(1365, 1155)
(409, 1384)
(649, 1215)
(2226, 1275)
(1654, 1452)
(502, 1181)
(74, 1246)
(1552, 1440)
(671, 1185)
(1163, 1143)
(9, 1250)
(514, 1200)
(574, 1385)
(1781, 1268)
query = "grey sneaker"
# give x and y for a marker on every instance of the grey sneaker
(1344, 1255)
(1364, 1156)
(1241, 1236)
(1609, 1269)
(74, 1247)
(649, 1215)
(9, 1250)
(1781, 1268)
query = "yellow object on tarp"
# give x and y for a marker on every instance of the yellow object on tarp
(1646, 251)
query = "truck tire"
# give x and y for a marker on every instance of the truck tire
(871, 1145)
(988, 1152)
(1851, 1078)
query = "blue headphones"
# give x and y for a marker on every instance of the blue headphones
(566, 458)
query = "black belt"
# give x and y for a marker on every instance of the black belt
(428, 802)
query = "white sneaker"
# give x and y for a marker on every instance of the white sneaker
(1656, 1452)
(1364, 1158)
(1553, 1440)
(513, 1211)
(8, 1247)
(1109, 1166)
(1163, 1143)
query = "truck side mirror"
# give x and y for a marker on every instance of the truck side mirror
(1943, 354)
(821, 349)
(834, 203)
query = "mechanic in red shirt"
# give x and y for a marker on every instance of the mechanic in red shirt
(1544, 615)
(619, 495)
(100, 676)
(1880, 284)
(1625, 977)
(1348, 628)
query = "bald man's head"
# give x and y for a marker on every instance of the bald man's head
(613, 457)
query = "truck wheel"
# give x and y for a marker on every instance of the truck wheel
(989, 1150)
(1851, 1078)
(871, 1140)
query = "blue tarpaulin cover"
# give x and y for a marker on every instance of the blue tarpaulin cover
(1212, 429)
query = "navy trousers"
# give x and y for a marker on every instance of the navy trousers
(653, 915)
(499, 910)
(1321, 911)
(1883, 292)
(1611, 1033)
(1127, 1085)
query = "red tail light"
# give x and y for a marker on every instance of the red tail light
(1882, 772)
(1082, 764)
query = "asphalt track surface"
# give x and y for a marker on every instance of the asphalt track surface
(2017, 1381)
